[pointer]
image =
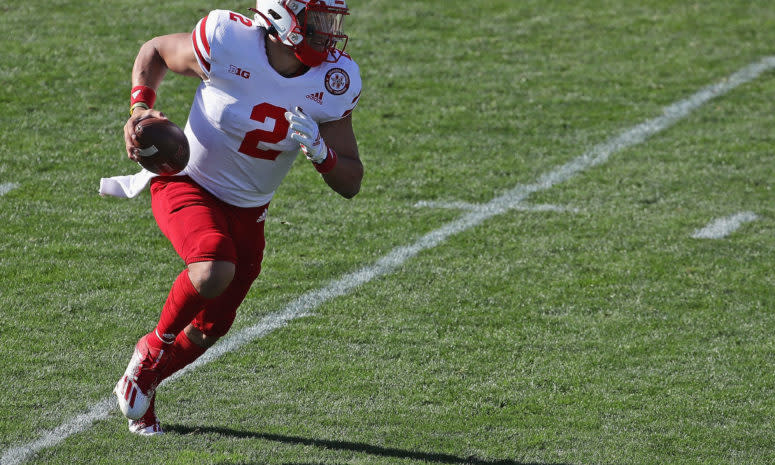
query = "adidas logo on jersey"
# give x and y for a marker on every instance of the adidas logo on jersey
(317, 97)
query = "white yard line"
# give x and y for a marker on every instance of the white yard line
(524, 207)
(722, 227)
(473, 206)
(510, 200)
(7, 187)
(446, 205)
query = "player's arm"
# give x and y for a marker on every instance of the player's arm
(346, 175)
(170, 52)
(332, 149)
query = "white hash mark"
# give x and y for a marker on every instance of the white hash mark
(7, 187)
(722, 227)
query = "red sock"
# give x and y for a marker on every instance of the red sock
(183, 352)
(183, 303)
(154, 344)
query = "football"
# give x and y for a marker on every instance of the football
(163, 146)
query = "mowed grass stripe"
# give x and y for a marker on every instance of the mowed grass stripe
(305, 304)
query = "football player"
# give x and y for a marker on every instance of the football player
(270, 86)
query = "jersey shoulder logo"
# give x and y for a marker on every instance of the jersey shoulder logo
(337, 81)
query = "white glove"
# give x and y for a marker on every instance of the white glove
(305, 131)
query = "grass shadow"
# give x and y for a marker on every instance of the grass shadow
(435, 457)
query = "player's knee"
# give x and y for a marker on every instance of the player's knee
(210, 279)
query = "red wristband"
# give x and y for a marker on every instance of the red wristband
(142, 94)
(327, 164)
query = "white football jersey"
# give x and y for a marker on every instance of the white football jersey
(237, 131)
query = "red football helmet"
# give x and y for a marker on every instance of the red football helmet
(312, 28)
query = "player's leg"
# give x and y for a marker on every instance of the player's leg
(209, 325)
(198, 229)
(198, 284)
(217, 316)
(211, 278)
(190, 344)
(215, 319)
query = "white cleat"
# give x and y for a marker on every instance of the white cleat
(132, 402)
(135, 390)
(140, 427)
(148, 425)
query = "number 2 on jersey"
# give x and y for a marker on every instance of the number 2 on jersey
(252, 138)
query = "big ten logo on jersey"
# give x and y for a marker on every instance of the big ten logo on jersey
(238, 17)
(239, 72)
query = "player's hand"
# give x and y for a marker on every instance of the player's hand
(130, 138)
(305, 131)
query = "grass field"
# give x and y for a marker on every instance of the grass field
(584, 325)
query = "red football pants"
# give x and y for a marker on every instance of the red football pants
(203, 228)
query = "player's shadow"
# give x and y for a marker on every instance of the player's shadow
(345, 445)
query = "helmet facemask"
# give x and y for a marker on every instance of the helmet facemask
(314, 29)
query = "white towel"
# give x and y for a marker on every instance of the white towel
(126, 187)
